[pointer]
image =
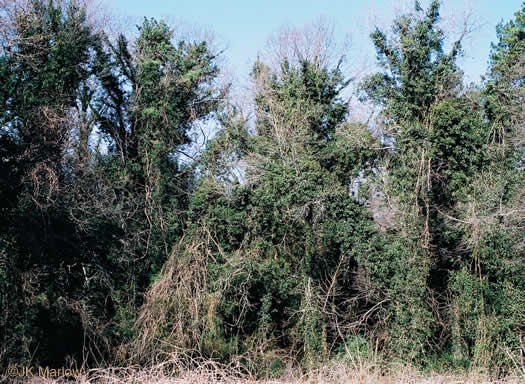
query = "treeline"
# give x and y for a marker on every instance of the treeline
(120, 243)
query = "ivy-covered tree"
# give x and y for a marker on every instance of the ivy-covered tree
(150, 98)
(487, 283)
(283, 246)
(47, 57)
(91, 229)
(417, 76)
(443, 149)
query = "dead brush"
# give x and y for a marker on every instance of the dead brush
(206, 372)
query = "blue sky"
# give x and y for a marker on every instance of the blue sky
(243, 27)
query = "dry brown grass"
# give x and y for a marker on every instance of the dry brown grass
(210, 373)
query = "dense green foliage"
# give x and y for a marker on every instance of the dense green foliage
(297, 236)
